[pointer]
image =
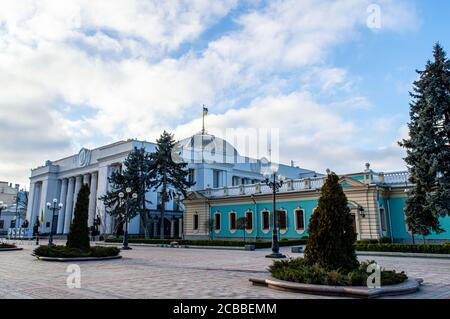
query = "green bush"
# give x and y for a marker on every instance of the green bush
(5, 245)
(66, 252)
(226, 243)
(298, 270)
(427, 249)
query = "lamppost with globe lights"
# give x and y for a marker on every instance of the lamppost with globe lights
(54, 207)
(275, 184)
(127, 198)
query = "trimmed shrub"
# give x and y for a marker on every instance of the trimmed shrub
(66, 252)
(404, 248)
(299, 270)
(79, 231)
(331, 232)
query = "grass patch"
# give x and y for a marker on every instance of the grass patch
(65, 252)
(226, 243)
(297, 270)
(5, 245)
(404, 248)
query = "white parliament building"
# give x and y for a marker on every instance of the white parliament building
(62, 179)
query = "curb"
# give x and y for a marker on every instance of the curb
(400, 254)
(11, 249)
(180, 246)
(58, 259)
(408, 287)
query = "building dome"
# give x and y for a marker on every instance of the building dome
(206, 148)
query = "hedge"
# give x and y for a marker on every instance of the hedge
(426, 249)
(66, 252)
(226, 243)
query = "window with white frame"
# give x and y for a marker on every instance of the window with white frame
(282, 219)
(233, 225)
(195, 222)
(300, 220)
(265, 220)
(249, 220)
(383, 219)
(217, 221)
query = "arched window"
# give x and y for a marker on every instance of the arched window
(217, 225)
(233, 225)
(282, 220)
(265, 220)
(300, 220)
(249, 220)
(195, 222)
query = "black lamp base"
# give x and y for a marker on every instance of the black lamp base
(276, 255)
(126, 248)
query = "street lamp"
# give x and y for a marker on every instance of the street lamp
(275, 184)
(127, 198)
(54, 207)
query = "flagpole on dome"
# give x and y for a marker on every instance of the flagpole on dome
(205, 112)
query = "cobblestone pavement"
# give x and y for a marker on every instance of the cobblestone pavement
(150, 272)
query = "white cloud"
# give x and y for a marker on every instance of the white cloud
(119, 60)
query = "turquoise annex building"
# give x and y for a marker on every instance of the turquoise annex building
(376, 200)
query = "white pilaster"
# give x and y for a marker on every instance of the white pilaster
(36, 203)
(30, 203)
(172, 228)
(69, 205)
(75, 194)
(92, 199)
(180, 228)
(62, 200)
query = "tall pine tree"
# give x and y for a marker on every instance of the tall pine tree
(167, 176)
(428, 152)
(79, 232)
(136, 175)
(330, 229)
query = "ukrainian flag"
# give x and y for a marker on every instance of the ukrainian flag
(42, 218)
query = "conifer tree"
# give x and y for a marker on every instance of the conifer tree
(331, 233)
(79, 232)
(428, 148)
(136, 174)
(167, 176)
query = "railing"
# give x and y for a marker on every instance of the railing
(394, 178)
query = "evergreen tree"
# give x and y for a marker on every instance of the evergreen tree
(241, 224)
(136, 174)
(79, 232)
(331, 233)
(167, 176)
(428, 149)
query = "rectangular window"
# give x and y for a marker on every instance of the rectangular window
(217, 221)
(232, 221)
(266, 220)
(282, 219)
(383, 219)
(2, 224)
(195, 222)
(13, 224)
(300, 218)
(235, 181)
(216, 178)
(249, 220)
(191, 176)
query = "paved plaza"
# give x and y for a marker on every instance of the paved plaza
(150, 272)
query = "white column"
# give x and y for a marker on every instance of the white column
(172, 228)
(62, 200)
(30, 203)
(36, 203)
(92, 199)
(102, 188)
(69, 206)
(75, 194)
(86, 179)
(180, 227)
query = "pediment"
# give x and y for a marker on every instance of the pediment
(346, 181)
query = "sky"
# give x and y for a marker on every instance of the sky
(332, 76)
